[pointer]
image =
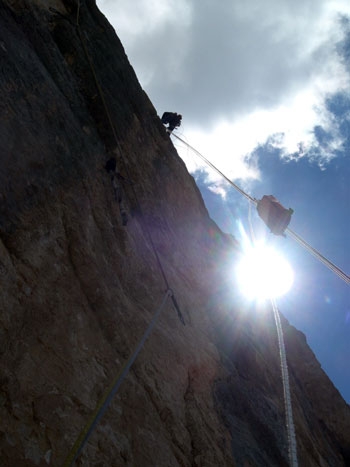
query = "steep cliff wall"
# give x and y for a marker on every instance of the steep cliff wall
(78, 289)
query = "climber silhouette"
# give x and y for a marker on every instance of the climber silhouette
(172, 119)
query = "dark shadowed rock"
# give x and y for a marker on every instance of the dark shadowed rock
(78, 289)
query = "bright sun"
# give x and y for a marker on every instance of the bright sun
(263, 273)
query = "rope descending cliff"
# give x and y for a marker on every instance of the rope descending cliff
(107, 398)
(110, 121)
(292, 444)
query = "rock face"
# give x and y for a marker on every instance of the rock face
(78, 289)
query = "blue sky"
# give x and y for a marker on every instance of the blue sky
(264, 90)
(318, 303)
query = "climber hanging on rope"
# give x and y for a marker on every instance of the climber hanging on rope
(275, 216)
(172, 119)
(117, 180)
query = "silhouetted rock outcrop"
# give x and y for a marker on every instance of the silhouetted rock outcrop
(78, 289)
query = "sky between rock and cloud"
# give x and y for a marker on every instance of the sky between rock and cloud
(264, 90)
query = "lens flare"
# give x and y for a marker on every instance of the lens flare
(263, 273)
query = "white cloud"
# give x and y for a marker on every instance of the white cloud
(151, 31)
(238, 71)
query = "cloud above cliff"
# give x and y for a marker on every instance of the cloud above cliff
(241, 73)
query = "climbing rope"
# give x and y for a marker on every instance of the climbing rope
(236, 187)
(292, 444)
(291, 233)
(106, 399)
(319, 256)
(104, 103)
(251, 229)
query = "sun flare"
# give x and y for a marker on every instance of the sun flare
(263, 273)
